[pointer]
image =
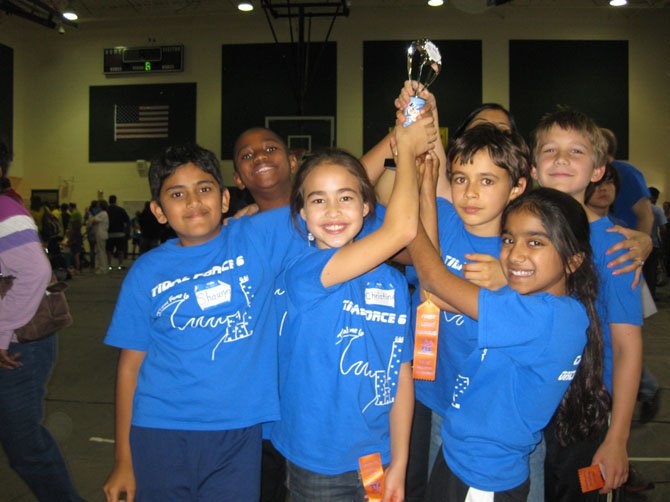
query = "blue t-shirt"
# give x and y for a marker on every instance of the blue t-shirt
(506, 392)
(616, 302)
(371, 224)
(340, 352)
(205, 317)
(458, 333)
(633, 188)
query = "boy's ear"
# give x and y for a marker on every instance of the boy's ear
(157, 211)
(366, 209)
(292, 163)
(225, 200)
(533, 172)
(518, 189)
(574, 263)
(598, 173)
(238, 181)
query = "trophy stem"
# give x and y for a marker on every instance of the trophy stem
(429, 57)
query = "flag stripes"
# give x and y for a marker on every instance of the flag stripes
(141, 121)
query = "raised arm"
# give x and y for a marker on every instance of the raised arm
(402, 213)
(374, 159)
(426, 248)
(427, 167)
(443, 186)
(436, 279)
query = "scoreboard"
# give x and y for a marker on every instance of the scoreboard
(154, 59)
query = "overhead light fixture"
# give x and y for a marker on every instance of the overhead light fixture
(618, 3)
(436, 3)
(69, 13)
(245, 6)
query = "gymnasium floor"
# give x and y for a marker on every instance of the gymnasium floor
(80, 409)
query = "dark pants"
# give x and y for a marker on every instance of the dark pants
(561, 481)
(445, 486)
(648, 387)
(308, 486)
(91, 254)
(419, 445)
(178, 465)
(30, 448)
(650, 270)
(273, 474)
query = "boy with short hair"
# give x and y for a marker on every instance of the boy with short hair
(263, 164)
(569, 152)
(197, 327)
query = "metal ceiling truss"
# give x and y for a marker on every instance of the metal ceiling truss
(302, 12)
(45, 14)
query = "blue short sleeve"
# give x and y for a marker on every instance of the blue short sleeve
(304, 271)
(275, 236)
(633, 188)
(500, 315)
(131, 323)
(617, 301)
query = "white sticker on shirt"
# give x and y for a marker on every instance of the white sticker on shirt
(212, 294)
(378, 296)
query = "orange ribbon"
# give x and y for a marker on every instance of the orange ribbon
(425, 341)
(372, 474)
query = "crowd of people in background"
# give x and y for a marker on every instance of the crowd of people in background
(92, 240)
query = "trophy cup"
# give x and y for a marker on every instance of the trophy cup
(425, 55)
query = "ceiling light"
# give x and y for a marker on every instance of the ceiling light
(70, 14)
(245, 6)
(618, 3)
(436, 3)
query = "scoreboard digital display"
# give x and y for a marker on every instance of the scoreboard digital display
(157, 59)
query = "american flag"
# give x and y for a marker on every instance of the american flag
(141, 122)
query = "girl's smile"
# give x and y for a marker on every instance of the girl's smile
(334, 209)
(528, 257)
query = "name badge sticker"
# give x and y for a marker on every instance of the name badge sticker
(212, 293)
(379, 296)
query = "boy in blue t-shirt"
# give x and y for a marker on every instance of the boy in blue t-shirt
(569, 151)
(197, 327)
